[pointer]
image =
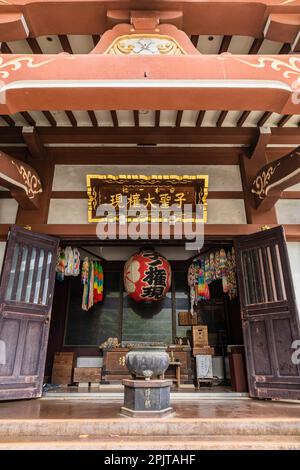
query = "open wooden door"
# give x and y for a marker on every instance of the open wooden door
(26, 293)
(269, 314)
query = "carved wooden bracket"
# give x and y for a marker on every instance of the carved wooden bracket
(274, 178)
(22, 181)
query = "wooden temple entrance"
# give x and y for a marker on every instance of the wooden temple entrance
(191, 109)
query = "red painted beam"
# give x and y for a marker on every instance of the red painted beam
(184, 82)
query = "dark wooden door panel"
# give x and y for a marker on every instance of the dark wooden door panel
(269, 314)
(9, 328)
(26, 293)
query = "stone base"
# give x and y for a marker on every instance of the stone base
(146, 398)
(146, 414)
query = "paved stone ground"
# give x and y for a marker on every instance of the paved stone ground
(200, 424)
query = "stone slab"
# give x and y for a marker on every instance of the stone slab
(147, 383)
(146, 414)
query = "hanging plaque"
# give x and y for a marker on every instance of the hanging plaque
(156, 194)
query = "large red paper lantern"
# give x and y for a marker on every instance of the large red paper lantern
(147, 276)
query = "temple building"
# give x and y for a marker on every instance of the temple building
(149, 198)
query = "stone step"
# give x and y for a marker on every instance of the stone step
(168, 426)
(185, 442)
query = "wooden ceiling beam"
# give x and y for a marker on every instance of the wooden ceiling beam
(114, 118)
(96, 39)
(200, 118)
(221, 118)
(282, 122)
(65, 44)
(93, 118)
(144, 155)
(33, 142)
(143, 135)
(8, 120)
(263, 119)
(178, 118)
(157, 118)
(242, 118)
(5, 49)
(286, 48)
(30, 121)
(212, 232)
(225, 44)
(256, 45)
(136, 118)
(194, 40)
(34, 45)
(71, 118)
(49, 116)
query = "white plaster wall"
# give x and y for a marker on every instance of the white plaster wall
(288, 211)
(74, 211)
(221, 177)
(2, 250)
(226, 211)
(124, 252)
(68, 211)
(294, 255)
(296, 187)
(8, 211)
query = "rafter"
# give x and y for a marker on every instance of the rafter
(178, 118)
(30, 121)
(221, 118)
(194, 39)
(136, 118)
(65, 44)
(200, 118)
(71, 118)
(225, 44)
(157, 118)
(256, 45)
(114, 118)
(286, 48)
(5, 49)
(284, 120)
(34, 45)
(96, 39)
(93, 118)
(243, 118)
(50, 118)
(264, 119)
(8, 120)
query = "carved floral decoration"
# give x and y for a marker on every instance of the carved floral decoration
(33, 185)
(262, 181)
(145, 44)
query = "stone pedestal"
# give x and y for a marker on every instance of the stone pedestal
(146, 398)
